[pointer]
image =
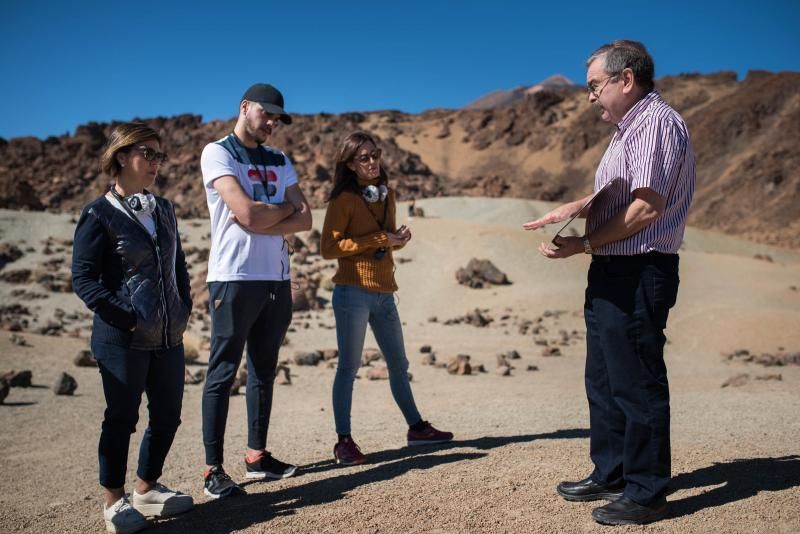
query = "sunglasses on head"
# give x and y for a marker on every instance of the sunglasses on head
(364, 158)
(150, 154)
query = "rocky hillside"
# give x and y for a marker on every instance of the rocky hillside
(544, 145)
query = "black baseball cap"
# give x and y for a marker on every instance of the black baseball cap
(270, 99)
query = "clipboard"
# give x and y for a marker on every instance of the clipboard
(606, 187)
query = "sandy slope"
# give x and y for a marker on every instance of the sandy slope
(735, 451)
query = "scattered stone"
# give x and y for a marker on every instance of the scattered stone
(532, 368)
(17, 276)
(432, 319)
(502, 361)
(774, 376)
(369, 356)
(780, 359)
(480, 273)
(22, 379)
(307, 358)
(192, 379)
(65, 385)
(283, 377)
(85, 358)
(240, 381)
(425, 349)
(378, 373)
(478, 368)
(513, 355)
(52, 328)
(736, 381)
(429, 359)
(503, 370)
(459, 365)
(763, 257)
(9, 253)
(330, 354)
(551, 351)
(18, 340)
(4, 390)
(312, 241)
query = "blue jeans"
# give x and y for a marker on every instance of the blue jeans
(354, 308)
(627, 304)
(126, 374)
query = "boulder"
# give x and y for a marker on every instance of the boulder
(65, 385)
(307, 358)
(85, 358)
(283, 377)
(481, 273)
(369, 356)
(459, 365)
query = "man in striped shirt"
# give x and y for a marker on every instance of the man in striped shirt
(633, 232)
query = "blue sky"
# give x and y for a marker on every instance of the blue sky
(66, 63)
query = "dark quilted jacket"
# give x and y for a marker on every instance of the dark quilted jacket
(138, 288)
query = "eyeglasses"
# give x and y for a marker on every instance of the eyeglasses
(151, 155)
(364, 158)
(596, 91)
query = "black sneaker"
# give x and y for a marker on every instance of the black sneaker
(267, 466)
(219, 485)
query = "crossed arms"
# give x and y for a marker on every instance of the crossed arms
(293, 215)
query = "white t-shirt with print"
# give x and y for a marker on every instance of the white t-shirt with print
(237, 254)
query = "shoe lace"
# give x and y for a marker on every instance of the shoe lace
(219, 474)
(122, 505)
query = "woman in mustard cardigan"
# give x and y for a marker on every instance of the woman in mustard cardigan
(360, 232)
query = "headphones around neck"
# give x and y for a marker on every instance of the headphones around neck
(138, 202)
(372, 193)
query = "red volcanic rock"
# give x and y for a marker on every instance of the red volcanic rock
(538, 144)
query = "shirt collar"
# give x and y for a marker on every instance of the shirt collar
(637, 108)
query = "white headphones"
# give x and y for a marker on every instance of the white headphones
(138, 202)
(144, 202)
(373, 193)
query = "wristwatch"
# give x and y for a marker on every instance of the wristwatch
(587, 247)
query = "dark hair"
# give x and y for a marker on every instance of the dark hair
(345, 178)
(624, 54)
(122, 139)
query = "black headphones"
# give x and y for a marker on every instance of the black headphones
(372, 193)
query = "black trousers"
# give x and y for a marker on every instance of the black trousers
(257, 313)
(126, 374)
(627, 304)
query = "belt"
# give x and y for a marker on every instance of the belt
(649, 257)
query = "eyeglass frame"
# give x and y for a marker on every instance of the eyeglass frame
(366, 158)
(595, 92)
(144, 150)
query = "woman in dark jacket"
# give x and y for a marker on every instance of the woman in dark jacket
(128, 267)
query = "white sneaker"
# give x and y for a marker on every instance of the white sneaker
(162, 501)
(122, 518)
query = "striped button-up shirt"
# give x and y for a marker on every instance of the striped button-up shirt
(651, 148)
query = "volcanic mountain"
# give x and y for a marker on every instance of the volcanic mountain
(539, 142)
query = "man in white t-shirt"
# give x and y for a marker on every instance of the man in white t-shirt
(254, 201)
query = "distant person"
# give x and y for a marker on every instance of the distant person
(254, 200)
(633, 238)
(360, 232)
(128, 267)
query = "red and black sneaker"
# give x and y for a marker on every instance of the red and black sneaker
(267, 466)
(428, 436)
(347, 452)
